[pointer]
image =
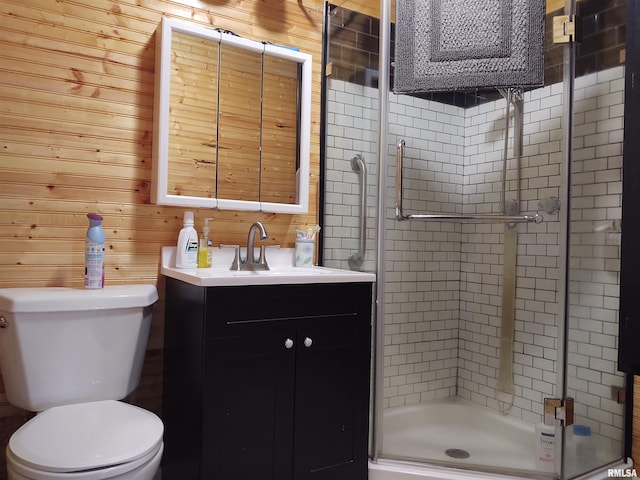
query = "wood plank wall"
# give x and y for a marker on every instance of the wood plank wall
(76, 96)
(76, 106)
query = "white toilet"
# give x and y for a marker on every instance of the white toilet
(70, 354)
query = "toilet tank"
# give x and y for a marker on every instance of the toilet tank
(60, 346)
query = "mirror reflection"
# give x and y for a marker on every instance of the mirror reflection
(279, 130)
(193, 117)
(239, 128)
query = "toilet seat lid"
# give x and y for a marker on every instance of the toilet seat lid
(86, 436)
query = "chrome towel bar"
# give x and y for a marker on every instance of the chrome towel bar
(537, 218)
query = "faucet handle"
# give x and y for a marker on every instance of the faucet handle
(235, 265)
(263, 259)
(263, 251)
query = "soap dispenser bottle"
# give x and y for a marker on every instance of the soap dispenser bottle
(204, 251)
(187, 250)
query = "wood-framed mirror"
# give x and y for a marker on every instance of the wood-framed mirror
(231, 122)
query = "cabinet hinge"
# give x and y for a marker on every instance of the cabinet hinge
(558, 412)
(565, 29)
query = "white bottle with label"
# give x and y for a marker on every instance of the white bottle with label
(187, 249)
(545, 438)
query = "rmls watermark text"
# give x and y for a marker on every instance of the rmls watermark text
(622, 473)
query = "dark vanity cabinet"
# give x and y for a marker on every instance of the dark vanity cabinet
(266, 382)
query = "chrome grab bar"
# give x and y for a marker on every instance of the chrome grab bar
(359, 167)
(537, 218)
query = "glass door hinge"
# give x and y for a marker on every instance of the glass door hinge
(565, 29)
(558, 412)
(619, 394)
(328, 69)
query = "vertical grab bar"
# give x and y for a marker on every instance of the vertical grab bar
(359, 167)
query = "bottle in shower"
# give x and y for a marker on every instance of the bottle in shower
(545, 443)
(94, 253)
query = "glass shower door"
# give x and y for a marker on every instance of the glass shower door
(442, 282)
(593, 276)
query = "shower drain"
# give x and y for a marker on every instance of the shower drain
(456, 453)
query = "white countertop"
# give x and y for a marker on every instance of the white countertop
(282, 271)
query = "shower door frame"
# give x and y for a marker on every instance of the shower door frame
(631, 217)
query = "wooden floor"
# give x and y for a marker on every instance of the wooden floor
(635, 449)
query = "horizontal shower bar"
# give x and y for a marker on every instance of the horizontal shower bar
(537, 218)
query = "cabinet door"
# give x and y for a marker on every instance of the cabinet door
(182, 380)
(332, 385)
(248, 400)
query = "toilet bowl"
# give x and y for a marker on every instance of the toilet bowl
(72, 355)
(89, 441)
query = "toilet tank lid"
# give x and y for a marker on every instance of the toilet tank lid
(63, 299)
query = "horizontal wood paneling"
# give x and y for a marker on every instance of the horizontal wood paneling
(76, 106)
(635, 430)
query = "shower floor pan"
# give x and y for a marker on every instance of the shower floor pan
(457, 431)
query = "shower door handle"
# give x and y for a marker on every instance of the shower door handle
(399, 161)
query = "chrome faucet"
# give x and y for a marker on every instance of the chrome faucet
(250, 262)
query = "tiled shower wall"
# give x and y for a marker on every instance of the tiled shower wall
(444, 280)
(537, 271)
